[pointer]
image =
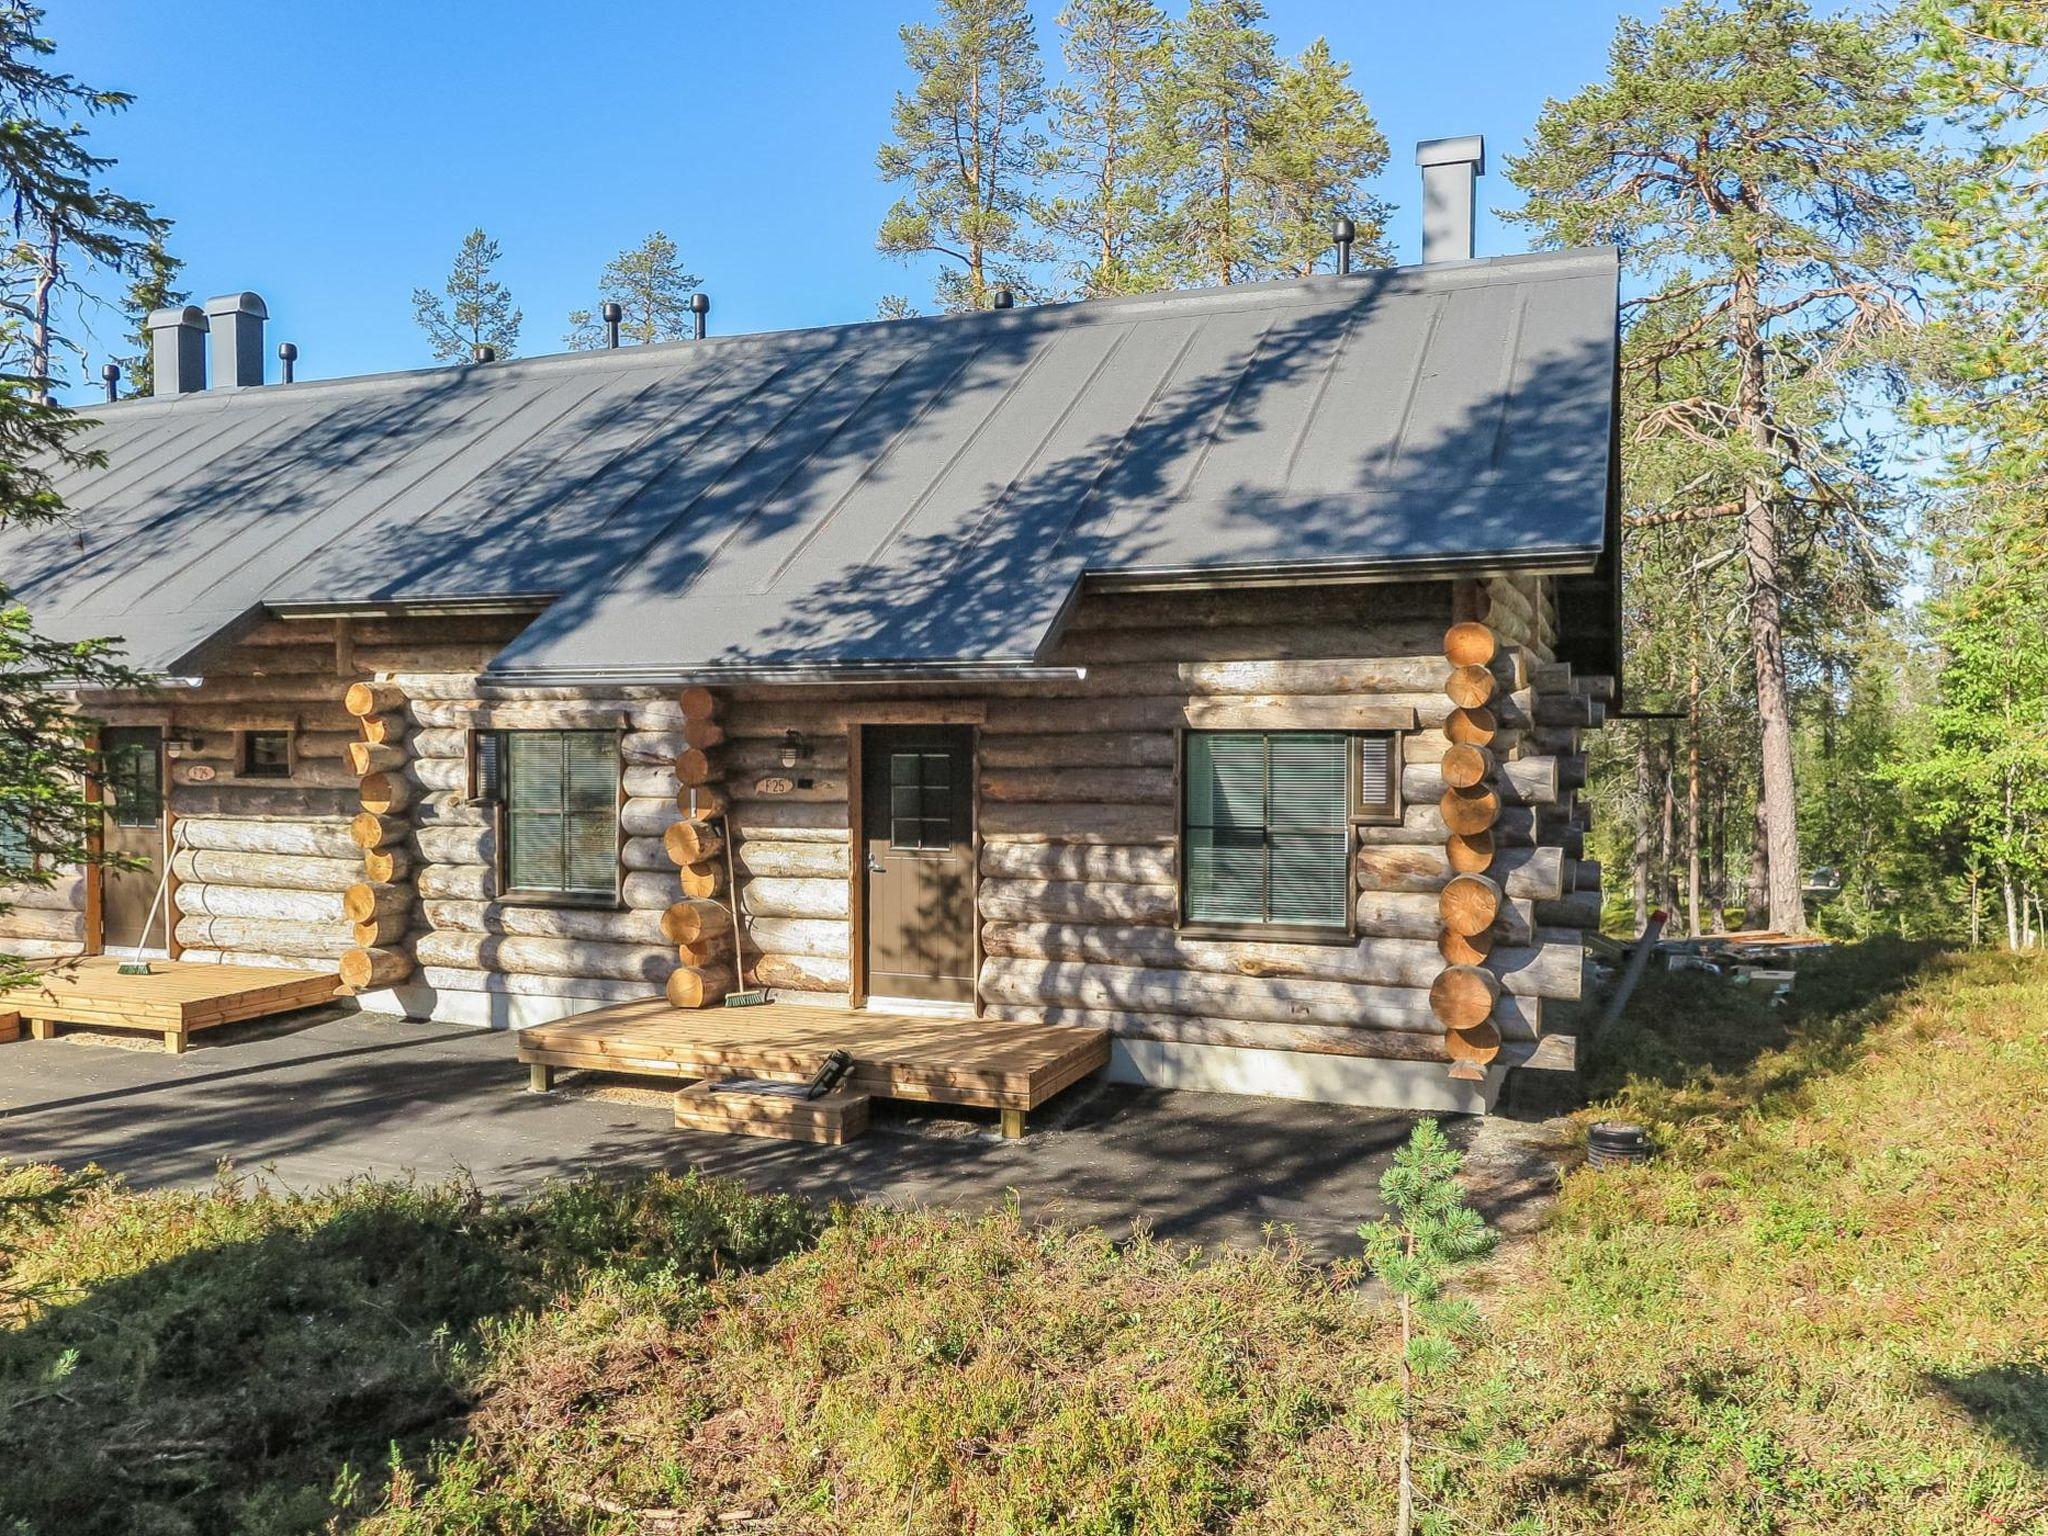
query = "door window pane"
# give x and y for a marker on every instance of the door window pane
(133, 765)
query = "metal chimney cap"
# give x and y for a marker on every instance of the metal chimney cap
(1467, 149)
(613, 311)
(288, 350)
(1003, 299)
(177, 315)
(699, 303)
(238, 304)
(1342, 230)
(484, 352)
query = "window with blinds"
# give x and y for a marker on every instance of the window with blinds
(1266, 829)
(558, 797)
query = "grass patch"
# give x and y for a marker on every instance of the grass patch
(1819, 1311)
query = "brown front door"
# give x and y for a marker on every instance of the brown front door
(132, 785)
(917, 828)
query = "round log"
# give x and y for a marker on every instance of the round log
(692, 924)
(513, 953)
(456, 845)
(445, 741)
(1470, 644)
(1311, 1039)
(693, 766)
(199, 955)
(266, 902)
(696, 881)
(1061, 901)
(456, 882)
(1470, 853)
(697, 703)
(385, 928)
(701, 802)
(363, 901)
(451, 810)
(1477, 1045)
(1469, 904)
(691, 987)
(645, 853)
(653, 891)
(1080, 786)
(803, 973)
(449, 978)
(648, 815)
(329, 941)
(1462, 996)
(652, 781)
(701, 733)
(1129, 750)
(40, 923)
(775, 897)
(1463, 767)
(318, 839)
(1575, 909)
(830, 860)
(1127, 864)
(1080, 824)
(441, 774)
(1466, 811)
(386, 794)
(691, 842)
(374, 757)
(42, 949)
(1466, 948)
(776, 821)
(629, 927)
(281, 871)
(365, 699)
(1425, 824)
(1470, 687)
(66, 893)
(1564, 709)
(816, 938)
(370, 830)
(1531, 872)
(1520, 781)
(383, 730)
(651, 748)
(385, 865)
(363, 970)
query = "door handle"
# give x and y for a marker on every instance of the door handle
(875, 865)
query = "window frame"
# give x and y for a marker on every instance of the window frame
(247, 734)
(501, 827)
(1290, 933)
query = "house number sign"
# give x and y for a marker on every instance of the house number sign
(775, 785)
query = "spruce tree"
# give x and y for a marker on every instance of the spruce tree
(1769, 162)
(648, 282)
(474, 308)
(154, 287)
(1110, 192)
(966, 149)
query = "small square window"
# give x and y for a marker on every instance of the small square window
(266, 755)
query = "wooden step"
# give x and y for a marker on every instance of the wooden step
(10, 1027)
(837, 1117)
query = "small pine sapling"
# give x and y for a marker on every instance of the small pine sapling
(1428, 1232)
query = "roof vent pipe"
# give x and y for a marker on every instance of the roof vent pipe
(111, 377)
(1343, 232)
(700, 306)
(287, 355)
(1003, 299)
(177, 349)
(484, 352)
(236, 320)
(613, 313)
(1449, 169)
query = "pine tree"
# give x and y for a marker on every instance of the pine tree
(1207, 114)
(1769, 162)
(477, 309)
(1317, 147)
(966, 150)
(1112, 48)
(57, 207)
(154, 287)
(648, 282)
(1428, 1233)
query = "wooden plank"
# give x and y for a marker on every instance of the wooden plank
(836, 1118)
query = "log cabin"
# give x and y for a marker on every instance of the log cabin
(1210, 667)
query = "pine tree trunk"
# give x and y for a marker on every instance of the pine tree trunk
(1641, 861)
(1717, 864)
(1692, 800)
(1756, 889)
(1667, 831)
(1766, 623)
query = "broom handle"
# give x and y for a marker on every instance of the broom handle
(732, 906)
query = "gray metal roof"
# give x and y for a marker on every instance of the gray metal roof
(924, 493)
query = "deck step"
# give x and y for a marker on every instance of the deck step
(835, 1118)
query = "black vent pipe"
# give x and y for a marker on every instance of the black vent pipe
(614, 312)
(700, 306)
(287, 355)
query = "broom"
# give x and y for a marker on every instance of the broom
(743, 998)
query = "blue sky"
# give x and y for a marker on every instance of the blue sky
(330, 157)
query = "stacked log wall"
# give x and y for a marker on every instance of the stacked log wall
(1078, 899)
(44, 922)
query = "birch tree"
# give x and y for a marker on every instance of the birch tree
(1766, 163)
(967, 151)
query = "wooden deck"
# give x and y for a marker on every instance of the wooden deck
(175, 999)
(1010, 1067)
